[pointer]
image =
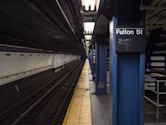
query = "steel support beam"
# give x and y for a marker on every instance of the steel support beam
(92, 65)
(101, 49)
(127, 79)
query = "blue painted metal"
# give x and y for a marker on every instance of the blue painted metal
(127, 79)
(94, 63)
(141, 90)
(101, 70)
(113, 69)
(90, 56)
(91, 61)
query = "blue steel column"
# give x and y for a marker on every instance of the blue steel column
(113, 70)
(90, 56)
(127, 79)
(101, 49)
(94, 61)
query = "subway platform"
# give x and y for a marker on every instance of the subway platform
(86, 108)
(79, 111)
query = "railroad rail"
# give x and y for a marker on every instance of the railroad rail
(48, 104)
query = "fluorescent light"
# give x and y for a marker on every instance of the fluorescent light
(88, 37)
(83, 2)
(87, 42)
(87, 5)
(92, 8)
(92, 4)
(89, 27)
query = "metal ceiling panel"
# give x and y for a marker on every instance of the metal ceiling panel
(26, 25)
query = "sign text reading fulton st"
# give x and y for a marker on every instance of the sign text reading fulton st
(130, 39)
(129, 31)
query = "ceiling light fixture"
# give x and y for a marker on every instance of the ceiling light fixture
(88, 37)
(90, 5)
(89, 27)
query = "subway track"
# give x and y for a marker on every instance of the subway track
(9, 94)
(47, 104)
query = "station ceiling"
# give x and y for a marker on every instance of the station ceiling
(41, 24)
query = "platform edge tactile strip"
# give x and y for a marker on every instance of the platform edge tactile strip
(79, 110)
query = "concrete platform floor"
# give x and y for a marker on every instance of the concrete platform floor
(79, 110)
(101, 108)
(150, 115)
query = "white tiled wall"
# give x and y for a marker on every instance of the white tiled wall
(26, 64)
